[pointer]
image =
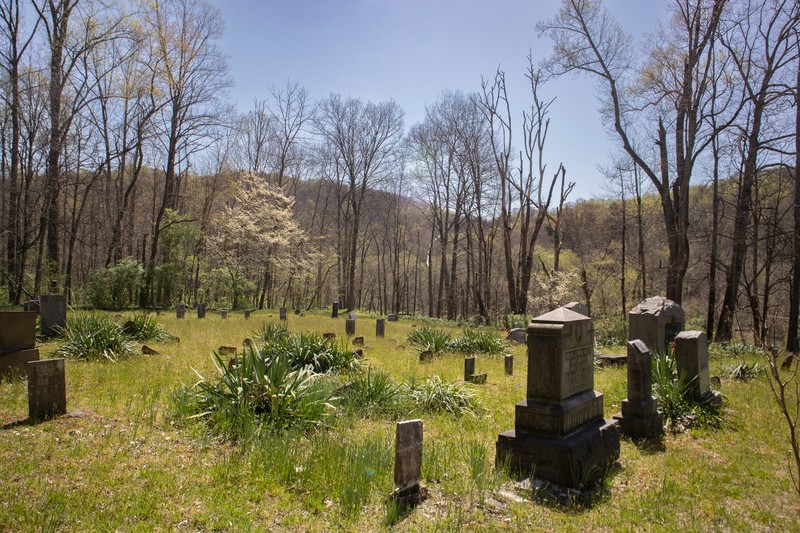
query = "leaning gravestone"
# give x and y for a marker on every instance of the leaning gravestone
(335, 310)
(656, 321)
(559, 432)
(517, 335)
(17, 342)
(201, 310)
(691, 360)
(581, 309)
(53, 310)
(350, 326)
(408, 456)
(380, 327)
(282, 313)
(47, 389)
(180, 311)
(640, 418)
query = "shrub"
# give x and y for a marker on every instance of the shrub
(483, 341)
(145, 327)
(115, 287)
(272, 333)
(92, 336)
(314, 351)
(681, 408)
(435, 396)
(374, 393)
(428, 338)
(610, 331)
(744, 371)
(265, 386)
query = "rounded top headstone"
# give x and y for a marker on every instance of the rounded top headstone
(658, 305)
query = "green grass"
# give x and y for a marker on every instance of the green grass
(123, 460)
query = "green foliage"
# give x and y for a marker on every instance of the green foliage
(314, 351)
(265, 386)
(479, 340)
(145, 327)
(431, 339)
(610, 331)
(94, 336)
(744, 371)
(510, 320)
(676, 400)
(374, 393)
(737, 350)
(272, 333)
(435, 396)
(115, 287)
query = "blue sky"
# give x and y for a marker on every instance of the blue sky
(413, 50)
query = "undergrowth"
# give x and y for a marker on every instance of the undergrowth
(90, 335)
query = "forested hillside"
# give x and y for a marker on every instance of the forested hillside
(127, 178)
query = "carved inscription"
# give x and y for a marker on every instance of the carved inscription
(583, 414)
(577, 371)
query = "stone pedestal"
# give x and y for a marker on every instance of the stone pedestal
(53, 309)
(691, 360)
(380, 327)
(350, 326)
(640, 418)
(180, 311)
(656, 321)
(201, 310)
(335, 310)
(559, 431)
(47, 389)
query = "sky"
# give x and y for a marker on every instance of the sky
(411, 51)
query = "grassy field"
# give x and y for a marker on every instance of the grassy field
(120, 461)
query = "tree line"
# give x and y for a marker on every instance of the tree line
(128, 179)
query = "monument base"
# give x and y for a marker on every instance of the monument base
(641, 427)
(576, 460)
(16, 363)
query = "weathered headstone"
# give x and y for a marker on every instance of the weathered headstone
(408, 456)
(226, 350)
(469, 368)
(31, 306)
(358, 341)
(47, 388)
(146, 350)
(180, 310)
(246, 314)
(640, 418)
(350, 326)
(353, 316)
(578, 307)
(392, 317)
(53, 310)
(335, 310)
(656, 321)
(478, 379)
(380, 327)
(282, 313)
(517, 335)
(508, 364)
(297, 312)
(223, 314)
(17, 341)
(201, 310)
(691, 360)
(559, 431)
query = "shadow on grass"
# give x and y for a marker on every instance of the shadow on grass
(398, 506)
(650, 446)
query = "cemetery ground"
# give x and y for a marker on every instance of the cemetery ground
(122, 460)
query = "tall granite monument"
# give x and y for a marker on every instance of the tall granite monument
(559, 431)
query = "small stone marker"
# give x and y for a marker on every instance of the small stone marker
(329, 336)
(146, 350)
(408, 456)
(297, 311)
(282, 313)
(425, 356)
(581, 309)
(508, 363)
(53, 310)
(47, 389)
(358, 352)
(358, 341)
(31, 306)
(640, 418)
(223, 314)
(392, 317)
(201, 310)
(469, 368)
(517, 335)
(180, 310)
(691, 359)
(335, 310)
(380, 327)
(227, 349)
(350, 326)
(656, 321)
(478, 379)
(247, 314)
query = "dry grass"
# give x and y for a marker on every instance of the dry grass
(119, 462)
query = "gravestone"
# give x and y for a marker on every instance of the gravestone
(358, 341)
(353, 316)
(297, 312)
(581, 309)
(691, 360)
(350, 326)
(469, 368)
(335, 310)
(282, 313)
(380, 327)
(640, 418)
(31, 306)
(246, 314)
(517, 335)
(478, 379)
(53, 310)
(180, 310)
(17, 342)
(201, 310)
(656, 321)
(508, 363)
(391, 317)
(47, 389)
(329, 336)
(559, 432)
(223, 314)
(408, 456)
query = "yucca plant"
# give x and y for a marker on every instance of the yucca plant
(431, 339)
(670, 388)
(434, 395)
(145, 327)
(264, 385)
(94, 336)
(314, 351)
(479, 340)
(374, 393)
(271, 333)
